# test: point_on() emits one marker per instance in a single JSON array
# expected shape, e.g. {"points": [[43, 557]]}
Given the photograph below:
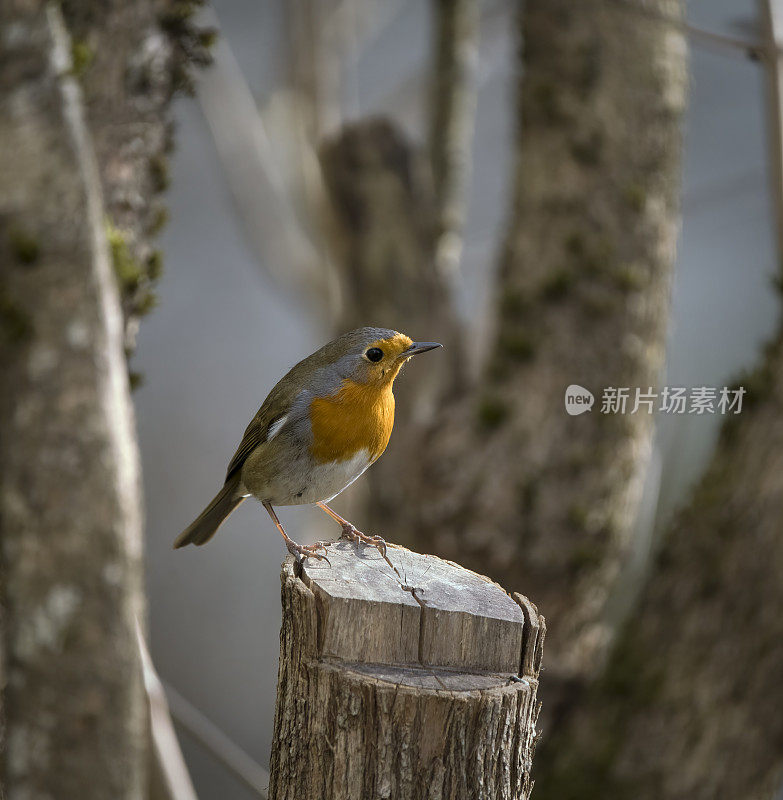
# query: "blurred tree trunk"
{"points": [[396, 210], [506, 479], [452, 116], [82, 135], [71, 522], [395, 224], [689, 705], [130, 57], [498, 475], [384, 216]]}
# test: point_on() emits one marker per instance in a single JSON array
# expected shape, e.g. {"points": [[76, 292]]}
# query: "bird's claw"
{"points": [[378, 542], [355, 535], [301, 551]]}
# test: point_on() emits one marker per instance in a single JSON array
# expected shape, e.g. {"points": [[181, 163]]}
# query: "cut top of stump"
{"points": [[434, 613]]}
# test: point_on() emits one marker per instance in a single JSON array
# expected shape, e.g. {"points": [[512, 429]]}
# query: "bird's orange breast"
{"points": [[358, 417]]}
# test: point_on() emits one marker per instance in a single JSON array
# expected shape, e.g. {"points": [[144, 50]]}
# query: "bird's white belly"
{"points": [[315, 483]]}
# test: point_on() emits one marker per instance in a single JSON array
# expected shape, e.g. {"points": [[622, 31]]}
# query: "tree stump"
{"points": [[414, 685]]}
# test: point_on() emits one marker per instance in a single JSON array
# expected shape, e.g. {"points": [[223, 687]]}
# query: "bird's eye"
{"points": [[374, 354]]}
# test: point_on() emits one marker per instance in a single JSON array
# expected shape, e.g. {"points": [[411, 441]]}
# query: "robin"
{"points": [[318, 430]]}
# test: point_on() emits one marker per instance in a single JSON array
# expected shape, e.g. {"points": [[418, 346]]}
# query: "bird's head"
{"points": [[374, 356]]}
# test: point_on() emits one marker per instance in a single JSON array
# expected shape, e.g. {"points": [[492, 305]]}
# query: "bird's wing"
{"points": [[275, 407], [285, 400]]}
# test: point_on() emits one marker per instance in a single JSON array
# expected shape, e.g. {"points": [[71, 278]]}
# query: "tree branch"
{"points": [[453, 110], [286, 244]]}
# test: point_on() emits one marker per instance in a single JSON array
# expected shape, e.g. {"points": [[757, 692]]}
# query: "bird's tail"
{"points": [[204, 527]]}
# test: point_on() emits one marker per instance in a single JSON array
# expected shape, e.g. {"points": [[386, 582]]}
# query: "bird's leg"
{"points": [[298, 551], [351, 532]]}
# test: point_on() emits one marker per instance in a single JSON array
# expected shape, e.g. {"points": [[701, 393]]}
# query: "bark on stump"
{"points": [[418, 686]]}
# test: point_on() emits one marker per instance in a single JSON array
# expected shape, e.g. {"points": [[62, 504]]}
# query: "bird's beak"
{"points": [[419, 347]]}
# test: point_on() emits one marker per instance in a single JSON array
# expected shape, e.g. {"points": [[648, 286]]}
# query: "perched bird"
{"points": [[318, 430]]}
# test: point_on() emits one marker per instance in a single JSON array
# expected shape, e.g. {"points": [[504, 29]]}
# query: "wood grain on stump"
{"points": [[417, 685]]}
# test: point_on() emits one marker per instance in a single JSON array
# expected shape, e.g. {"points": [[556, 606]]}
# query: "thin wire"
{"points": [[212, 738]]}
